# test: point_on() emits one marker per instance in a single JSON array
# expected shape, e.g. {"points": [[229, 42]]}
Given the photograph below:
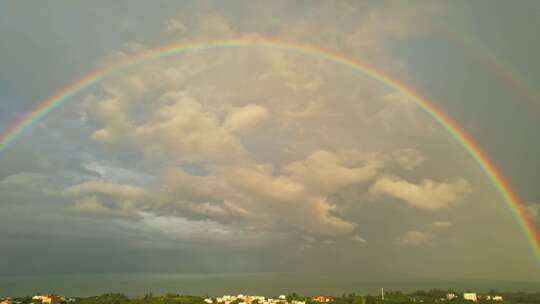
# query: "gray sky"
{"points": [[248, 160]]}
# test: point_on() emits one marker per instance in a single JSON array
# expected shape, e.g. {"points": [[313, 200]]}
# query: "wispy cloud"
{"points": [[414, 238]]}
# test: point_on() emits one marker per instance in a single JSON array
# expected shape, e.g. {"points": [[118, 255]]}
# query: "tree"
{"points": [[359, 300]]}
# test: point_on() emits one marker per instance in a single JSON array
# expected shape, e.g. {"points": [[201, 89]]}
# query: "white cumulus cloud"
{"points": [[428, 195]]}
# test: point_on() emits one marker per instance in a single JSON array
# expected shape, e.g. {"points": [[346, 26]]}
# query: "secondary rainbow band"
{"points": [[488, 167], [509, 75]]}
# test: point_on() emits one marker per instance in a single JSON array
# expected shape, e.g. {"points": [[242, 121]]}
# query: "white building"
{"points": [[470, 296], [247, 299], [450, 296], [323, 299]]}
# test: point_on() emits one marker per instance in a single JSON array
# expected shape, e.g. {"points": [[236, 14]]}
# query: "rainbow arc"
{"points": [[451, 126]]}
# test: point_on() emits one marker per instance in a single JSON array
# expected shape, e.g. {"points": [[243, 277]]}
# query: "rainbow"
{"points": [[488, 167]]}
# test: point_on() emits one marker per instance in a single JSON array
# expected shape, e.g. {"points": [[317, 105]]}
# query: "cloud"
{"points": [[115, 174], [358, 239], [235, 187], [428, 195], [111, 110], [328, 172], [125, 52], [242, 192], [98, 198], [292, 71], [30, 183], [364, 29], [245, 118], [23, 179], [395, 105], [201, 197], [441, 224], [117, 190], [214, 25], [202, 231], [175, 26], [221, 137], [533, 211], [264, 138], [363, 32], [409, 159], [414, 238], [183, 128], [289, 200], [92, 206]]}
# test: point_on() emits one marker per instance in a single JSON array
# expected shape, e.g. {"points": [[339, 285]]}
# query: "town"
{"points": [[391, 297]]}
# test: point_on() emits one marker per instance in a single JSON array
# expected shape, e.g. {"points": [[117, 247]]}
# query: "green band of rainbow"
{"points": [[488, 167]]}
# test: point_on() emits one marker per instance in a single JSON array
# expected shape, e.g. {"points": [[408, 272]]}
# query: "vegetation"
{"points": [[434, 296], [116, 298]]}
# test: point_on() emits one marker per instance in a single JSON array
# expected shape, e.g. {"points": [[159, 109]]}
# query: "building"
{"points": [[246, 299], [494, 298], [450, 296], [470, 296], [323, 299], [49, 299]]}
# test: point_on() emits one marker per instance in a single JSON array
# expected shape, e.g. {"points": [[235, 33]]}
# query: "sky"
{"points": [[244, 159]]}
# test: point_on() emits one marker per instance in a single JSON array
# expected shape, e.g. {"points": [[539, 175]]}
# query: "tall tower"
{"points": [[382, 293]]}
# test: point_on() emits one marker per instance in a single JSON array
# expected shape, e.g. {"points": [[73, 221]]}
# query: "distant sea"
{"points": [[267, 284]]}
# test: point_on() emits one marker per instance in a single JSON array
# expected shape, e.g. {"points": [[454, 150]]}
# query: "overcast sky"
{"points": [[248, 160]]}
